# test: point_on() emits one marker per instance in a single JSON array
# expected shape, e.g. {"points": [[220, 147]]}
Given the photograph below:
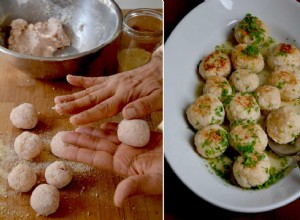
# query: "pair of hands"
{"points": [[136, 93]]}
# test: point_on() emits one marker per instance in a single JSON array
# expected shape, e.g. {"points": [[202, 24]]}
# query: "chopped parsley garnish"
{"points": [[219, 111], [250, 160], [251, 51], [280, 85], [269, 42], [282, 54], [251, 25], [247, 148]]}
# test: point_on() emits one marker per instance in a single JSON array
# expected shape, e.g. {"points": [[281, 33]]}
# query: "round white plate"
{"points": [[195, 36]]}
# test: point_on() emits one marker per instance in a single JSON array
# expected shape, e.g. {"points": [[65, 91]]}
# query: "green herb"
{"points": [[251, 25], [280, 85], [251, 51], [250, 160], [246, 148], [282, 54], [268, 42], [219, 111], [224, 93], [228, 100], [206, 143], [225, 136]]}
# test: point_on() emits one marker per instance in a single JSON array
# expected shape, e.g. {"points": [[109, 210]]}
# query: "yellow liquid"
{"points": [[132, 58]]}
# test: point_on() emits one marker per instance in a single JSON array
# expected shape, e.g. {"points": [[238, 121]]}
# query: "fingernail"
{"points": [[130, 113], [73, 119]]}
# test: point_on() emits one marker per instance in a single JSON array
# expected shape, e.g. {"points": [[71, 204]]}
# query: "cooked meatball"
{"points": [[215, 64], [205, 110], [248, 137], [242, 106], [283, 124], [247, 57], [251, 30], [211, 141], [283, 55], [219, 86], [268, 97], [244, 80], [285, 79], [251, 170]]}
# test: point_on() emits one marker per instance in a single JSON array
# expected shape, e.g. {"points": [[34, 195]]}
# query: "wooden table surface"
{"points": [[179, 201], [90, 194]]}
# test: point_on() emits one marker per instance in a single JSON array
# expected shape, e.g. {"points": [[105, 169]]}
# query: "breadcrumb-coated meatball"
{"points": [[22, 178], [28, 145], [242, 106], [244, 80], [285, 79], [251, 30], [268, 97], [283, 54], [283, 124], [248, 137], [215, 64], [24, 116], [219, 86], [211, 141], [251, 170], [205, 110], [247, 57]]}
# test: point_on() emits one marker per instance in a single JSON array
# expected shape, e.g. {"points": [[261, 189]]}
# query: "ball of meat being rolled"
{"points": [[134, 132]]}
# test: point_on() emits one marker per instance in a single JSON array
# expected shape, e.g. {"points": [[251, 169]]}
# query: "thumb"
{"points": [[143, 106], [140, 184]]}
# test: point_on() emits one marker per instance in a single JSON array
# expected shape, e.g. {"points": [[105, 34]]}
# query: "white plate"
{"points": [[195, 36]]}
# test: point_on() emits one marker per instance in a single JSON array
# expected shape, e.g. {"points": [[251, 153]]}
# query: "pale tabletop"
{"points": [[90, 194]]}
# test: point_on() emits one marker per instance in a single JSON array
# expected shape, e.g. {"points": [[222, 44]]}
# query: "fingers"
{"points": [[72, 97], [143, 106], [98, 159], [134, 185], [103, 110], [105, 133], [111, 126], [89, 142], [81, 101], [85, 82]]}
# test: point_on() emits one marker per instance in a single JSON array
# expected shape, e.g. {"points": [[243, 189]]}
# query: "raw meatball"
{"points": [[205, 110], [135, 132], [215, 64], [268, 97], [211, 141], [57, 145], [24, 116], [28, 145], [285, 79], [244, 81], [219, 86], [247, 57], [251, 30], [242, 106], [22, 178], [284, 55], [58, 174], [283, 124], [45, 199], [251, 170], [248, 137]]}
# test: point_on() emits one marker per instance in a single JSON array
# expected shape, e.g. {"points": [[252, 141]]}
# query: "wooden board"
{"points": [[90, 194]]}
